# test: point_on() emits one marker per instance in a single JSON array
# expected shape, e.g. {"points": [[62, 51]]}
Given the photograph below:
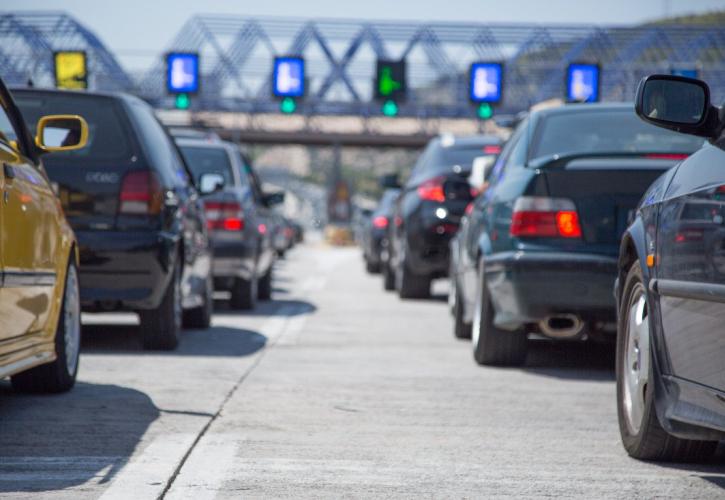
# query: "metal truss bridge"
{"points": [[237, 54]]}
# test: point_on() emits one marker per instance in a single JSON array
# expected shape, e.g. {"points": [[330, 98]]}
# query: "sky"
{"points": [[135, 29]]}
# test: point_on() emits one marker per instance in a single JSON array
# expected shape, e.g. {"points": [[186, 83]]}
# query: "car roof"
{"points": [[467, 141], [205, 143], [584, 108], [78, 93]]}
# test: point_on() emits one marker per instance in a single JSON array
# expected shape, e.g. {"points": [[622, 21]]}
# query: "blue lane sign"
{"points": [[182, 72], [288, 79], [688, 72], [582, 83], [485, 82]]}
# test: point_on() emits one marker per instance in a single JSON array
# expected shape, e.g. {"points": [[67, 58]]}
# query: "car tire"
{"points": [[60, 375], [161, 327], [264, 290], [200, 317], [461, 329], [410, 285], [388, 277], [244, 293], [492, 345], [371, 267], [642, 434]]}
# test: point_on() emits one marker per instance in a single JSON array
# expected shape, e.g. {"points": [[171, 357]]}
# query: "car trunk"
{"points": [[88, 181], [606, 192]]}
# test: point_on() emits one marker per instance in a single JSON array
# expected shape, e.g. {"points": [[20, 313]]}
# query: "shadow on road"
{"points": [[711, 470], [571, 360], [215, 341], [51, 442], [276, 307]]}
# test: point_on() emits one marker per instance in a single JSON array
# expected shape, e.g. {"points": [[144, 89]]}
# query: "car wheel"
{"points": [[372, 267], [244, 293], [264, 291], [200, 317], [60, 375], [161, 327], [492, 345], [642, 434], [410, 285], [388, 277], [461, 329]]}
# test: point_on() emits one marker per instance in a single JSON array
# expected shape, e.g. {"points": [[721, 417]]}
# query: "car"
{"points": [[670, 361], [428, 211], [374, 233], [39, 292], [138, 217], [238, 216], [540, 253]]}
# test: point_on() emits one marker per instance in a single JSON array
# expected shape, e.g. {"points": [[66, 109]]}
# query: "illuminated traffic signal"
{"points": [[484, 111], [390, 81], [70, 69], [182, 72], [182, 101], [582, 82], [390, 108], [288, 81]]}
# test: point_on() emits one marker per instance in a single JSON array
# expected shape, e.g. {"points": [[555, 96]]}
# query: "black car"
{"points": [[429, 209], [540, 255], [375, 230], [137, 215], [238, 216], [671, 289]]}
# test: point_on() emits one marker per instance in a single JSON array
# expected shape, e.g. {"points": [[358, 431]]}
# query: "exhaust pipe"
{"points": [[561, 326]]}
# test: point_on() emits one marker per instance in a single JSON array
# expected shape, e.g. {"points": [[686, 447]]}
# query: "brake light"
{"points": [[223, 215], [140, 194], [492, 149], [667, 156], [432, 190], [380, 222], [545, 218]]}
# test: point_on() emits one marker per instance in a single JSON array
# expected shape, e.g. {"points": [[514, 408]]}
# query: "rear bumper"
{"points": [[526, 287], [428, 243], [233, 259], [125, 270]]}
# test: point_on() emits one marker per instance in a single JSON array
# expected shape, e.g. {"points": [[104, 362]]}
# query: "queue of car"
{"points": [[596, 222], [103, 210]]}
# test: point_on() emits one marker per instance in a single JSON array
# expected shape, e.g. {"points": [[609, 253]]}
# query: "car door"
{"points": [[265, 216], [691, 268], [30, 232]]}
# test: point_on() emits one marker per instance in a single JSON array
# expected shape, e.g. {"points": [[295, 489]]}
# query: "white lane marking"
{"points": [[205, 471], [146, 475]]}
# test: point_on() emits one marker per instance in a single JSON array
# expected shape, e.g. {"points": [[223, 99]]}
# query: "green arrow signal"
{"points": [[386, 84]]}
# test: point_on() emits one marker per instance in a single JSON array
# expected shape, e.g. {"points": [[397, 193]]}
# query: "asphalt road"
{"points": [[336, 389]]}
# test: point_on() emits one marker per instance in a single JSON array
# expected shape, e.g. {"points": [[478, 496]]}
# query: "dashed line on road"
{"points": [[167, 454]]}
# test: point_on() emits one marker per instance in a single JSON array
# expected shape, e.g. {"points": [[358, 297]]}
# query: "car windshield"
{"points": [[607, 131], [108, 133], [462, 156], [206, 160]]}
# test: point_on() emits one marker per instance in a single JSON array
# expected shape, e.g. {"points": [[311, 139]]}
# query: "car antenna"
{"points": [[30, 83]]}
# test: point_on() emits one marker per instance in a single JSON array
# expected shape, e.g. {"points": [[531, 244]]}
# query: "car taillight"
{"points": [[541, 217], [224, 215], [380, 222], [432, 190], [667, 156], [140, 194]]}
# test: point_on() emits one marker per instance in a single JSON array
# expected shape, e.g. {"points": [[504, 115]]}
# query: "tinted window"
{"points": [[204, 160], [161, 151], [607, 131], [7, 131], [108, 132]]}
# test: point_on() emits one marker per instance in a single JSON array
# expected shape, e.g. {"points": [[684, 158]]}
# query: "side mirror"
{"points": [[480, 170], [211, 183], [677, 103], [276, 198], [61, 133], [390, 181]]}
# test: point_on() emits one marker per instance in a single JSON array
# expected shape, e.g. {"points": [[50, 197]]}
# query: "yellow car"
{"points": [[39, 300]]}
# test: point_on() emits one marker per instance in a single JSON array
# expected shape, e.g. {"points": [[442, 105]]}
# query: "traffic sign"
{"points": [[680, 71], [182, 72], [288, 78], [390, 81], [485, 82], [70, 69], [582, 82]]}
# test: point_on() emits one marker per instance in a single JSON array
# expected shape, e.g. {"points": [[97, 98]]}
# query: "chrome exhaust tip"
{"points": [[561, 326]]}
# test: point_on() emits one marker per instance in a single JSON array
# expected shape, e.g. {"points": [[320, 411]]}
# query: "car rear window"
{"points": [[206, 160], [607, 131], [108, 131]]}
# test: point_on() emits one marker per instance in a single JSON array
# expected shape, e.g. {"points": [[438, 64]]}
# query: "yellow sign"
{"points": [[71, 71]]}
